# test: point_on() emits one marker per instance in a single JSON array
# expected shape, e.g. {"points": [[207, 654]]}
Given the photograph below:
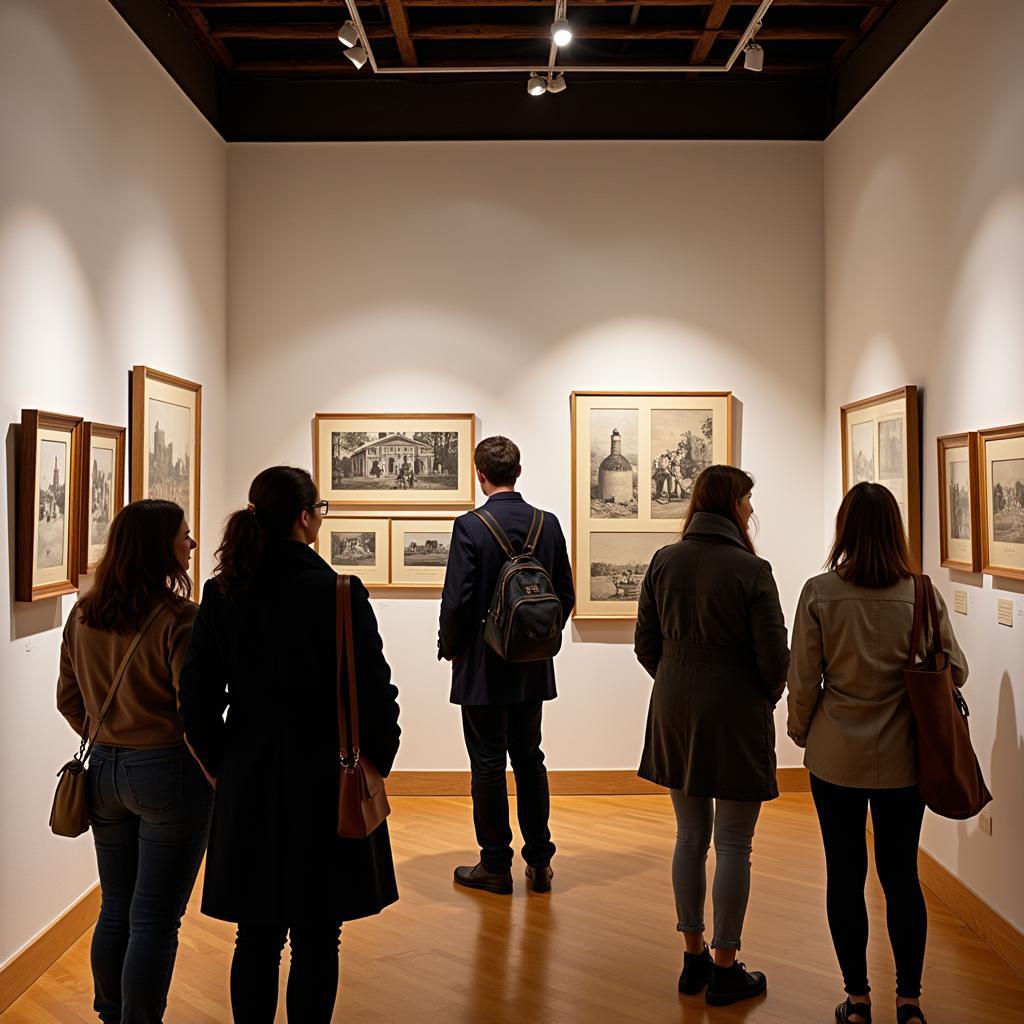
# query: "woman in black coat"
{"points": [[710, 631], [264, 648]]}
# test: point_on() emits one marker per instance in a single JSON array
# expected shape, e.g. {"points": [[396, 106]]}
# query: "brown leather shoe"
{"points": [[539, 878], [478, 877]]}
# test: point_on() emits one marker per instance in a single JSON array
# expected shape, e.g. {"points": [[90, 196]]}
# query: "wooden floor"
{"points": [[601, 948]]}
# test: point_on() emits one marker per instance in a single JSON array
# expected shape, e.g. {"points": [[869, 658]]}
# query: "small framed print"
{"points": [[399, 460], [47, 559], [357, 547], [881, 445], [1001, 477], [419, 551], [959, 502], [102, 478]]}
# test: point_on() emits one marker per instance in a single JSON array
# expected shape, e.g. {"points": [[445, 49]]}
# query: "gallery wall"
{"points": [[498, 278], [112, 252], [924, 284]]}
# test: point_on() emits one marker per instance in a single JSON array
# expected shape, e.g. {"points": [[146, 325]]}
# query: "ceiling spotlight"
{"points": [[557, 83], [357, 55], [348, 34], [561, 33], [753, 57], [536, 86]]}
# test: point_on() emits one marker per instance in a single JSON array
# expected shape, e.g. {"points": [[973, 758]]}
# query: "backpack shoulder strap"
{"points": [[497, 532], [536, 525]]}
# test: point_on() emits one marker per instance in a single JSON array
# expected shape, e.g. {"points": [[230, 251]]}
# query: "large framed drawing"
{"points": [[360, 547], [166, 435], [881, 445], [47, 559], [635, 457], [102, 480], [1001, 478], [394, 460], [419, 551], [959, 502]]}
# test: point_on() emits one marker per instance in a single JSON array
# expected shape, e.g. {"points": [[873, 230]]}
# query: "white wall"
{"points": [[112, 252], [496, 279], [924, 229]]}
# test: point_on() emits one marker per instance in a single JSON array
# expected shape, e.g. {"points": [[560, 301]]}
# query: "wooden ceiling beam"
{"points": [[866, 25], [199, 28], [707, 39], [400, 24]]}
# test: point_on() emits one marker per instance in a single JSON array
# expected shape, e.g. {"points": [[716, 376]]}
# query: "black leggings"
{"points": [[312, 980], [896, 816]]}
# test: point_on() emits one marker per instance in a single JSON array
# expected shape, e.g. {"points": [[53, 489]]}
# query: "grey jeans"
{"points": [[732, 822]]}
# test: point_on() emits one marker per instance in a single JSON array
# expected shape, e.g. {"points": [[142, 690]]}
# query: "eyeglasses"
{"points": [[321, 507]]}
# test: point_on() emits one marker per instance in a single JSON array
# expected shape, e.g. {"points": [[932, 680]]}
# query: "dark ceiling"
{"points": [[273, 70]]}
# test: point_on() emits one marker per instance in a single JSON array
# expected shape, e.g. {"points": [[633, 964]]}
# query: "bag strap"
{"points": [[933, 608], [536, 525], [497, 532], [348, 724], [915, 633]]}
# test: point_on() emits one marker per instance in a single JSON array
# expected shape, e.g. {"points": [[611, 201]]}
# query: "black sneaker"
{"points": [[539, 877], [478, 877], [731, 984], [696, 972]]}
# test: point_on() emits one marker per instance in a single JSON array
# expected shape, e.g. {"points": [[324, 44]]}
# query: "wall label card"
{"points": [[1004, 611]]}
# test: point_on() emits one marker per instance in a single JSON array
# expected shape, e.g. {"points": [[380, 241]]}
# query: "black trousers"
{"points": [[494, 735], [896, 816], [312, 979]]}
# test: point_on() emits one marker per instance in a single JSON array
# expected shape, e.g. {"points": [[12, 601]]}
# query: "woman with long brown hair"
{"points": [[710, 631], [149, 804], [848, 708]]}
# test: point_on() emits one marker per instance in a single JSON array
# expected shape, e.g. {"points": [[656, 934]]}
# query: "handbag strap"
{"points": [[925, 607], [933, 608], [348, 724], [915, 632]]}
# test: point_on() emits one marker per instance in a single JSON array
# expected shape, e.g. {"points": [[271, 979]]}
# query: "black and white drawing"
{"points": [[101, 495], [420, 460], [890, 450], [613, 463], [170, 458], [682, 443], [618, 563], [52, 511], [426, 549], [353, 548], [1008, 501], [862, 453], [958, 482]]}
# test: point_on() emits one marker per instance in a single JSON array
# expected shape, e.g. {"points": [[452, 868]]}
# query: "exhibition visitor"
{"points": [[848, 707], [264, 648], [710, 630], [148, 802], [502, 699]]}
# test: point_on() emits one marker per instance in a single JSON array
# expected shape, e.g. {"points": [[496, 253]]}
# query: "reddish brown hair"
{"points": [[718, 490], [870, 546]]}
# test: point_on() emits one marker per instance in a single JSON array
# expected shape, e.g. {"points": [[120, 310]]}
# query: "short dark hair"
{"points": [[498, 459], [870, 547]]}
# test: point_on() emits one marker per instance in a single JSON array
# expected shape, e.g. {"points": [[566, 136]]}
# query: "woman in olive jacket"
{"points": [[710, 631], [264, 647]]}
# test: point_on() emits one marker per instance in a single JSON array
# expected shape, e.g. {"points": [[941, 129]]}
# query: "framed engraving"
{"points": [[360, 547], [47, 562], [394, 460], [1001, 478], [635, 457], [102, 478], [419, 551], [959, 502], [881, 444]]}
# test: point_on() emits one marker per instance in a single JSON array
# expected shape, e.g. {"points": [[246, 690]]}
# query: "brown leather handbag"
{"points": [[69, 815], [949, 776], [362, 799]]}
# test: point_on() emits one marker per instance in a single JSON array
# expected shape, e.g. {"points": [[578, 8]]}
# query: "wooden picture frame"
{"points": [[158, 467], [881, 443], [417, 460], [959, 502], [1001, 484], [635, 455], [102, 482], [419, 552], [46, 558], [357, 546]]}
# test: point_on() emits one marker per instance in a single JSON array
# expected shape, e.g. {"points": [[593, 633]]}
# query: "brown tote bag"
{"points": [[949, 776], [362, 800]]}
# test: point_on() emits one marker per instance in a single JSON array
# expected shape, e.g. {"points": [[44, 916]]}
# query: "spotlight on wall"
{"points": [[557, 83], [348, 34], [536, 86], [357, 55], [561, 33], [753, 57]]}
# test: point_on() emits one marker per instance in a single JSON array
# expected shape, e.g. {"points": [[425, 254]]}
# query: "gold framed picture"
{"points": [[360, 547], [394, 460], [102, 477], [635, 457], [165, 413], [1001, 478], [47, 559], [881, 445], [419, 551], [959, 502]]}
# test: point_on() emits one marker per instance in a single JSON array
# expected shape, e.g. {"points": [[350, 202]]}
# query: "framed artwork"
{"points": [[419, 551], [394, 460], [360, 547], [881, 445], [1001, 478], [47, 559], [959, 502], [102, 479], [166, 433], [635, 457]]}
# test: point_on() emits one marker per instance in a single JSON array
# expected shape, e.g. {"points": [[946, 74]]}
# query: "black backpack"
{"points": [[524, 621]]}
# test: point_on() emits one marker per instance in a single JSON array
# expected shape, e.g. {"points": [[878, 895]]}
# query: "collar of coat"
{"points": [[707, 525], [505, 496], [293, 553]]}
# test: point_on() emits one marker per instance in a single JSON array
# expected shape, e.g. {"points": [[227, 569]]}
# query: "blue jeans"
{"points": [[150, 814]]}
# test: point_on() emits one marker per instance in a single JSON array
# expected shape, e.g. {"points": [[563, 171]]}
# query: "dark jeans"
{"points": [[150, 812], [312, 979], [896, 816], [493, 734]]}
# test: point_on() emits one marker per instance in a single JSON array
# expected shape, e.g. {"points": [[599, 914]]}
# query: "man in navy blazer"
{"points": [[501, 701]]}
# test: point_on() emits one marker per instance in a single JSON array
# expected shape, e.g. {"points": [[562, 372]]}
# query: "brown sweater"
{"points": [[144, 712]]}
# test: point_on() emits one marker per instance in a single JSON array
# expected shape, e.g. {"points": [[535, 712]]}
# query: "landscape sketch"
{"points": [[614, 443], [958, 483], [426, 549], [1008, 501], [682, 444], [52, 507], [890, 450], [382, 460], [353, 548], [619, 561], [862, 444], [170, 456]]}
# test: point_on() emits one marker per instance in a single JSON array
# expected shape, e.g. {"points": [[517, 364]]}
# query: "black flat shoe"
{"points": [[844, 1011], [731, 984], [539, 877], [478, 877], [696, 972], [908, 1012]]}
